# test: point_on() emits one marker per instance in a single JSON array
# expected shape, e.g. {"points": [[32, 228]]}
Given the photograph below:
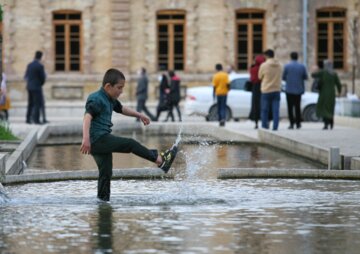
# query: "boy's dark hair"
{"points": [[112, 76], [143, 70], [269, 53], [218, 67], [38, 55], [294, 56], [171, 73]]}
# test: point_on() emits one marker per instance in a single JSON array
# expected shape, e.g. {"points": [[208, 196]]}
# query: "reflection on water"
{"points": [[209, 156], [183, 216], [105, 228]]}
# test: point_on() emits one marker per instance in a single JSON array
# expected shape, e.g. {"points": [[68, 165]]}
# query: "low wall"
{"points": [[235, 173], [309, 151], [2, 167], [202, 129], [14, 164], [130, 173]]}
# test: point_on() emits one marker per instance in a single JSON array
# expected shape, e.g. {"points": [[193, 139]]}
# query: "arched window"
{"points": [[171, 40], [67, 40], [250, 25], [331, 36]]}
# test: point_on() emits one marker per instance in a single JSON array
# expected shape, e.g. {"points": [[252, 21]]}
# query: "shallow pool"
{"points": [[186, 215], [202, 151]]}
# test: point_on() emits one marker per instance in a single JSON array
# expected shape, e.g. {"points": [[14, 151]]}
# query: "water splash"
{"points": [[198, 159], [178, 138], [191, 187]]}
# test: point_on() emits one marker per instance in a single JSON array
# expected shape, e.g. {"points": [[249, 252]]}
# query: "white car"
{"points": [[200, 101]]}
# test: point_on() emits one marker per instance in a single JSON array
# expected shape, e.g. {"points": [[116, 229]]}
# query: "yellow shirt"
{"points": [[221, 83]]}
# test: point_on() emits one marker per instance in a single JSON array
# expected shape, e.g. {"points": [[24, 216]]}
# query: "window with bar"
{"points": [[67, 40], [331, 36], [249, 36], [171, 40]]}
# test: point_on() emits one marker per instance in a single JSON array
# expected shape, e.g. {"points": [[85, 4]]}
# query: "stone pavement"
{"points": [[345, 135]]}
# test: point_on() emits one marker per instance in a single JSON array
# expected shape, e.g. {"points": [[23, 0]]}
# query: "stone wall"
{"points": [[122, 34]]}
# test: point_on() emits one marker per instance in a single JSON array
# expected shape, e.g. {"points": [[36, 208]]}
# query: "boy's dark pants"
{"points": [[102, 151]]}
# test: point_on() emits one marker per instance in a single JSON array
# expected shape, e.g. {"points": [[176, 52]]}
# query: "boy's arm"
{"points": [[85, 145], [130, 112]]}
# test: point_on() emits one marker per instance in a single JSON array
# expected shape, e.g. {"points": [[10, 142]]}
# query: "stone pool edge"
{"points": [[241, 173], [155, 173], [128, 174]]}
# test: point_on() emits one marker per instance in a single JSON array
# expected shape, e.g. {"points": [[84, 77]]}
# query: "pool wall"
{"points": [[14, 164]]}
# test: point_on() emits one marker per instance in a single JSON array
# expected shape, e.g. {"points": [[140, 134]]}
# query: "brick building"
{"points": [[82, 38]]}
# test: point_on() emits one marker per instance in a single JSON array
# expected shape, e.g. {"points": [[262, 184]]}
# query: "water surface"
{"points": [[186, 215], [206, 152]]}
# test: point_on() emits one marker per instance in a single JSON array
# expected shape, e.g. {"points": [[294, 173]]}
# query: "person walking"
{"points": [[35, 78], [328, 81], [98, 141], [142, 94], [270, 76], [164, 91], [294, 75], [221, 85], [255, 89], [174, 96]]}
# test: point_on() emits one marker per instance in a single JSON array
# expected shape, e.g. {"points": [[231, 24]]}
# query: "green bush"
{"points": [[5, 133]]}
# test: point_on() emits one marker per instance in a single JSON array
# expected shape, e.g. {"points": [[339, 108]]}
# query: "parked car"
{"points": [[200, 101]]}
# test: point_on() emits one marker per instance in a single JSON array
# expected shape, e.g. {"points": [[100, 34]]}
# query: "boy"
{"points": [[97, 139]]}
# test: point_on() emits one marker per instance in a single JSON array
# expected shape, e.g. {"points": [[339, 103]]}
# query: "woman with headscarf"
{"points": [[255, 89], [328, 80]]}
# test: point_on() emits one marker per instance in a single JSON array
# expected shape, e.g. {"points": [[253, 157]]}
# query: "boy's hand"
{"points": [[144, 119], [85, 146]]}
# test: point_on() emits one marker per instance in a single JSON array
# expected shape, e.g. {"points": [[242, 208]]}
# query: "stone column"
{"points": [[334, 158]]}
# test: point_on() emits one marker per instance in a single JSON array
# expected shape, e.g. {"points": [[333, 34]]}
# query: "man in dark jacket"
{"points": [[294, 75], [142, 94], [35, 78]]}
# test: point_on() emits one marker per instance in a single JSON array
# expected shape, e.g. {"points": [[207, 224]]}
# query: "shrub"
{"points": [[5, 132]]}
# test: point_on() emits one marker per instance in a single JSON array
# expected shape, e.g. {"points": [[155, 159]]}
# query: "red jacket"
{"points": [[254, 69]]}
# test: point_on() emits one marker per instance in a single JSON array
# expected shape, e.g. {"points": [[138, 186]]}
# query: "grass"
{"points": [[5, 132]]}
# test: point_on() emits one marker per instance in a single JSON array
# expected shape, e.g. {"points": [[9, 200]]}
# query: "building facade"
{"points": [[81, 39]]}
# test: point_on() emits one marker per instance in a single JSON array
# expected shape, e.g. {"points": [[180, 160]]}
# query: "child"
{"points": [[97, 139]]}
